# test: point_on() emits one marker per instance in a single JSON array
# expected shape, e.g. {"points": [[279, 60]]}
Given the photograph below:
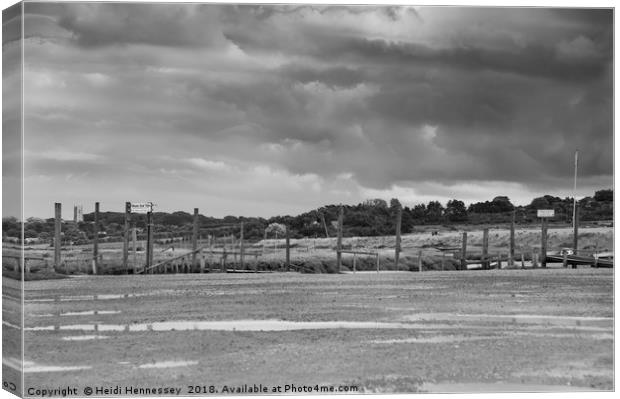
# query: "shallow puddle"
{"points": [[84, 313], [230, 325], [83, 337], [554, 320], [434, 340], [457, 387], [167, 364], [32, 367], [6, 323]]}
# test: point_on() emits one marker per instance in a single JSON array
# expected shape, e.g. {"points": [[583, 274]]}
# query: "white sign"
{"points": [[545, 213], [141, 207]]}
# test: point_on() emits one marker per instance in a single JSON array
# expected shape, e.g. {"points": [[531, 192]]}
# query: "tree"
{"points": [[276, 228], [502, 204], [540, 203], [434, 212], [456, 211], [604, 195]]}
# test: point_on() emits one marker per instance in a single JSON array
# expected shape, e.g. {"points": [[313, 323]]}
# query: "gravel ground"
{"points": [[476, 331]]}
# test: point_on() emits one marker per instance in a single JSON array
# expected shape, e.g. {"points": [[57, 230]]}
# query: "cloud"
{"points": [[271, 102]]}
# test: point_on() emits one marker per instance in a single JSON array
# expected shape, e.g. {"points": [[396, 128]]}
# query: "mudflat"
{"points": [[475, 331]]}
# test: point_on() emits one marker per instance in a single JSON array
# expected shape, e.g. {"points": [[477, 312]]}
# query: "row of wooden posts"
{"points": [[485, 259], [339, 248], [148, 268]]}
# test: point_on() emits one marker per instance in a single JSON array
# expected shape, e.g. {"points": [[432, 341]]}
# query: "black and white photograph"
{"points": [[230, 199]]}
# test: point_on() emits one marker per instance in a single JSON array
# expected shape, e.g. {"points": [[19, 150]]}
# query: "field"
{"points": [[497, 330]]}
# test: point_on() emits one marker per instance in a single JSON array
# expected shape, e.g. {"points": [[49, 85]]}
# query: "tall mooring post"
{"points": [[288, 249], [134, 239], [149, 240], [464, 252], [543, 244], [397, 248], [511, 255], [485, 249], [339, 240], [241, 249], [57, 232], [194, 239], [96, 240], [126, 237], [576, 231]]}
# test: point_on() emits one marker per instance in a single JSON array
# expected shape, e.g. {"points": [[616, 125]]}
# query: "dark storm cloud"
{"points": [[534, 60], [337, 102], [101, 24]]}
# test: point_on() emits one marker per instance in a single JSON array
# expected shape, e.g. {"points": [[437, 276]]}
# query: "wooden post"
{"points": [[134, 244], [149, 239], [96, 240], [534, 259], [377, 261], [288, 249], [241, 249], [202, 262], [126, 237], [354, 258], [522, 260], [464, 252], [194, 239], [485, 249], [511, 255], [224, 259], [399, 216], [339, 240], [543, 244], [499, 260], [576, 231], [565, 260], [420, 260], [324, 224], [57, 240]]}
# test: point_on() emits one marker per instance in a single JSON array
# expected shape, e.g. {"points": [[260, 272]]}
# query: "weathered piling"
{"points": [[57, 231], [511, 255], [464, 252], [543, 244], [96, 240], [194, 238], [126, 237], [339, 239], [485, 249], [576, 231], [241, 249], [288, 249], [397, 246]]}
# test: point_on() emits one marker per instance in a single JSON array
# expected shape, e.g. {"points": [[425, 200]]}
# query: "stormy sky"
{"points": [[266, 110]]}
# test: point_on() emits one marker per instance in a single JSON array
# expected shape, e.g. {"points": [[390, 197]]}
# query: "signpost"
{"points": [[544, 214], [147, 208], [141, 207]]}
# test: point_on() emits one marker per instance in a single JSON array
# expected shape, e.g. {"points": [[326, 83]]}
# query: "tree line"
{"points": [[370, 218]]}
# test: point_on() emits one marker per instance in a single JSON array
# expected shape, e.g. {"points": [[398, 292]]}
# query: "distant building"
{"points": [[78, 214]]}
